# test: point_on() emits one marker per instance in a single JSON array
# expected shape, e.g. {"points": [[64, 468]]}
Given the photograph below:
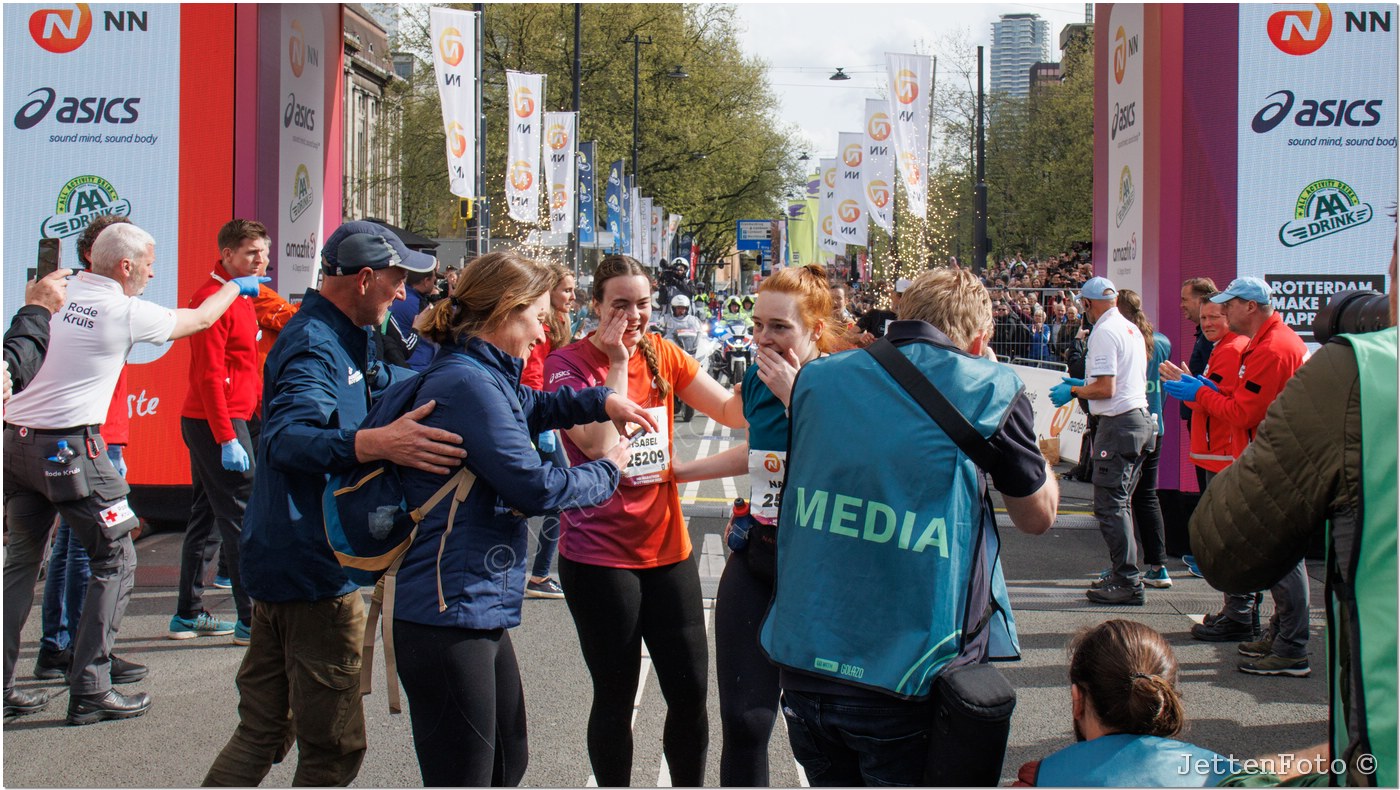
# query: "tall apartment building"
{"points": [[1019, 41]]}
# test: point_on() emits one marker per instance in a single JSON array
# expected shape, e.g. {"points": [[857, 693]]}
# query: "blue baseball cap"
{"points": [[369, 245], [1098, 288], [1251, 288]]}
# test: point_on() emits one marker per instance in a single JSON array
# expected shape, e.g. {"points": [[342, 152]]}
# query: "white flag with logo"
{"points": [[454, 65], [877, 168], [657, 212], [526, 93], [644, 232], [826, 209], [561, 170], [852, 225], [673, 224], [911, 89], [634, 239]]}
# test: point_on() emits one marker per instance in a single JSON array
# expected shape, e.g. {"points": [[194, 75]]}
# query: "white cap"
{"points": [[902, 284]]}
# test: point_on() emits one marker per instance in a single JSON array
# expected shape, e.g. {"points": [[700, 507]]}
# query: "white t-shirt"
{"points": [[1116, 349], [89, 340]]}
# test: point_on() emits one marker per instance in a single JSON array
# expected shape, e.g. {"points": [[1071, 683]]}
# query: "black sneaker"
{"points": [[19, 702], [1223, 629], [52, 664], [110, 704], [1118, 594], [124, 671]]}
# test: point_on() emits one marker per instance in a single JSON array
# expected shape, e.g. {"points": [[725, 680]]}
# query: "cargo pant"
{"points": [[1121, 444], [91, 496], [300, 681]]}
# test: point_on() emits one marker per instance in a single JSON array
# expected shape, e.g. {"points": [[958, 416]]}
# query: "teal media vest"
{"points": [[887, 546]]}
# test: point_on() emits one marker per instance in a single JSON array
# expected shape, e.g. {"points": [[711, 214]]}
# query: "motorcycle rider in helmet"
{"points": [[680, 319]]}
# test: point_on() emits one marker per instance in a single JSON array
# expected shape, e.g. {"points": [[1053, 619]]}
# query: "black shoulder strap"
{"points": [[932, 401]]}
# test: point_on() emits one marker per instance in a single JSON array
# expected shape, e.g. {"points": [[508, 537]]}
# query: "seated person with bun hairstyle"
{"points": [[1127, 711]]}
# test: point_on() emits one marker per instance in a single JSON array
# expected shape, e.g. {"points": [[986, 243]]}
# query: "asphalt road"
{"points": [[195, 706]]}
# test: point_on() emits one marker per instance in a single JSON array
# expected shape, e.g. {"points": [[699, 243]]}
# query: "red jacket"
{"points": [[1215, 444], [116, 429], [532, 375], [1267, 363], [225, 382]]}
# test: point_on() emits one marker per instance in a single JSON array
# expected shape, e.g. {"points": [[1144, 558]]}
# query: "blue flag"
{"points": [[587, 230], [615, 198]]}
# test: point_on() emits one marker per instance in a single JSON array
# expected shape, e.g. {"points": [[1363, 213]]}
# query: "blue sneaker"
{"points": [[223, 583], [1157, 577], [1191, 566], [203, 624], [242, 634]]}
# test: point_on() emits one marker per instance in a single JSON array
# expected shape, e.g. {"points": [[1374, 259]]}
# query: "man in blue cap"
{"points": [[1116, 372], [1273, 355], [301, 674]]}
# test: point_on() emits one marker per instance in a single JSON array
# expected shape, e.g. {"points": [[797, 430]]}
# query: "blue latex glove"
{"points": [[249, 286], [546, 442], [1060, 393], [1186, 389], [1208, 383], [232, 454], [118, 460]]}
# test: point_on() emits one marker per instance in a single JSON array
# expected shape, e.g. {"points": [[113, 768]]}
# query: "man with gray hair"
{"points": [[55, 462]]}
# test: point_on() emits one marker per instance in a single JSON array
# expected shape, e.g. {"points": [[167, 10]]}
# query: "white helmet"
{"points": [[680, 300]]}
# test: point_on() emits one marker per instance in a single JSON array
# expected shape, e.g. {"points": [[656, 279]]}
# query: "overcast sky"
{"points": [[803, 45]]}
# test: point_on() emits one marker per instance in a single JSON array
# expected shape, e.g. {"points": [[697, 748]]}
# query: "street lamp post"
{"points": [[636, 41]]}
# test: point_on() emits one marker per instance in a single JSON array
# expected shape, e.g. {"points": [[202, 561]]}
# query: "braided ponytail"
{"points": [[648, 350]]}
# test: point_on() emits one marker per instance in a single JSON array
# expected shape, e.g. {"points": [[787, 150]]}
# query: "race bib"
{"points": [[767, 469], [650, 459]]}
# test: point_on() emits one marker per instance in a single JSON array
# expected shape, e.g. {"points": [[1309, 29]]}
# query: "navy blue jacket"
{"points": [[482, 562], [317, 386], [403, 312]]}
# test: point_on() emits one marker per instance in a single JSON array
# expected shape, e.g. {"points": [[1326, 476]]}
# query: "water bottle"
{"points": [[739, 523], [64, 454]]}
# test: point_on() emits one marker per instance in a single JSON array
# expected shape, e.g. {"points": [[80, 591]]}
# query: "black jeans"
{"points": [[1147, 510], [748, 683], [220, 498], [614, 609], [466, 704], [853, 741]]}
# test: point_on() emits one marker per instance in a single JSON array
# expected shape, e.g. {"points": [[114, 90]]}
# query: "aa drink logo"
{"points": [[450, 46], [296, 49], [1123, 49], [459, 140], [1300, 32], [851, 156], [879, 127], [80, 201], [1324, 208], [906, 86], [879, 193], [301, 193], [556, 136], [523, 102], [520, 176], [849, 211], [559, 197], [61, 30], [1126, 196]]}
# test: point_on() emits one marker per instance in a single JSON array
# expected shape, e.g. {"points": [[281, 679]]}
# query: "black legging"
{"points": [[466, 704], [748, 683], [614, 609], [1147, 510]]}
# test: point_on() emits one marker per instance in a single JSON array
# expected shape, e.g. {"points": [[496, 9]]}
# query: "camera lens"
{"points": [[1351, 313]]}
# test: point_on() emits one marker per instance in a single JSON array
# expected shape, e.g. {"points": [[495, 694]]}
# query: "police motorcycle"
{"points": [[686, 331]]}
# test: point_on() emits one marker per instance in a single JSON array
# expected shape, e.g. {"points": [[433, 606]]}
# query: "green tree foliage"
{"points": [[710, 147], [1040, 154]]}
